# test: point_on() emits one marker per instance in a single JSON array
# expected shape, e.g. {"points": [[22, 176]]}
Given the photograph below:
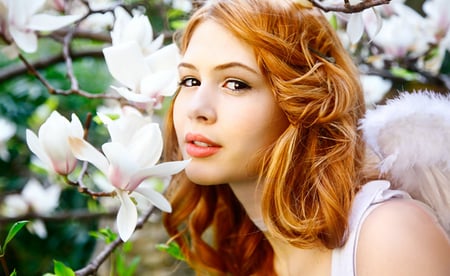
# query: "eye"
{"points": [[189, 82], [236, 85]]}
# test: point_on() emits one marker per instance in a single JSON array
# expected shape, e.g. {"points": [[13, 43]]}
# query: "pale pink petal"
{"points": [[76, 128], [133, 96], [166, 58], [139, 30], [355, 27], [126, 63], [147, 145], [25, 40], [160, 170], [161, 83], [156, 44], [47, 22], [35, 146], [86, 152], [155, 198], [127, 216], [19, 11], [122, 164], [53, 136]]}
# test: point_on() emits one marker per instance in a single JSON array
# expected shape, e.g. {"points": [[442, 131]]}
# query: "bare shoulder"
{"points": [[401, 237]]}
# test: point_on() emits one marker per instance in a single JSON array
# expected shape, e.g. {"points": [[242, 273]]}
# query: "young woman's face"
{"points": [[225, 113]]}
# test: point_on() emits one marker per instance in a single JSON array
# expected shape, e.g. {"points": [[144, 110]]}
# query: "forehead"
{"points": [[213, 43]]}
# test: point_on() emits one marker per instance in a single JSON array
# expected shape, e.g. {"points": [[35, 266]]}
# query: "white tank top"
{"points": [[372, 193]]}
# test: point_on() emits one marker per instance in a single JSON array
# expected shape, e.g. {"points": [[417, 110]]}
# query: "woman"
{"points": [[268, 111]]}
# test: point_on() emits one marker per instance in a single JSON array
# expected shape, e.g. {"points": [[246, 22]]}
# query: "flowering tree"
{"points": [[101, 61]]}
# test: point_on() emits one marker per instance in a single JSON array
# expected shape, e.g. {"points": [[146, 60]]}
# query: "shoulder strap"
{"points": [[371, 194]]}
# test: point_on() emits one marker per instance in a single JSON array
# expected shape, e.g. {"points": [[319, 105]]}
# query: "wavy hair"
{"points": [[309, 175]]}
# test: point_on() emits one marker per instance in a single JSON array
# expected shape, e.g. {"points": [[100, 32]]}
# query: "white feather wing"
{"points": [[411, 135]]}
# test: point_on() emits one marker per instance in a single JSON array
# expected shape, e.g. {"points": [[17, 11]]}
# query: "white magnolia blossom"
{"points": [[130, 158], [33, 198], [414, 38], [144, 79], [135, 29], [51, 145], [146, 71], [22, 20], [8, 130]]}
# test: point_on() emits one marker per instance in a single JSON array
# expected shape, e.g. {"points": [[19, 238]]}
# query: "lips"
{"points": [[198, 146]]}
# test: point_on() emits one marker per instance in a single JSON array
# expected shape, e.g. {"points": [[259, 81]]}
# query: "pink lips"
{"points": [[198, 146]]}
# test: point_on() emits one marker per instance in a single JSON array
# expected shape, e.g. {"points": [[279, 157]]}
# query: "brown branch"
{"points": [[56, 91], [348, 8], [20, 69], [61, 216], [95, 263]]}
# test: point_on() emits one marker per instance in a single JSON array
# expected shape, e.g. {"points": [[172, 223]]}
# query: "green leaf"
{"points": [[105, 234], [12, 233], [62, 270], [14, 273], [404, 74], [173, 249]]}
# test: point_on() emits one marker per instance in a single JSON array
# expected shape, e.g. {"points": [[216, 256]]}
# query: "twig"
{"points": [[60, 216], [56, 91], [348, 8], [95, 264]]}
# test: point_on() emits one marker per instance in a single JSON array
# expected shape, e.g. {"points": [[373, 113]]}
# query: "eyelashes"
{"points": [[230, 84]]}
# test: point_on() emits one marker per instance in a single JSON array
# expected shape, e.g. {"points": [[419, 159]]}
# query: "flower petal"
{"points": [[126, 63], [133, 96], [160, 170], [147, 145], [25, 40], [162, 83], [166, 58], [53, 136], [76, 128], [35, 146], [47, 22], [86, 152], [127, 216], [355, 27], [122, 164], [154, 197]]}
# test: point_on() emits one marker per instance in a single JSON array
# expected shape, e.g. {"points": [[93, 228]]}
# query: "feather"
{"points": [[411, 135]]}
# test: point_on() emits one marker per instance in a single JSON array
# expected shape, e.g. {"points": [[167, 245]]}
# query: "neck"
{"points": [[288, 260], [250, 194]]}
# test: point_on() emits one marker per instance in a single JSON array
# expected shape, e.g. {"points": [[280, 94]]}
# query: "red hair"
{"points": [[311, 173]]}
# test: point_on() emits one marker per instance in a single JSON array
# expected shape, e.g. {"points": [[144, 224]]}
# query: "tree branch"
{"points": [[95, 263], [348, 8]]}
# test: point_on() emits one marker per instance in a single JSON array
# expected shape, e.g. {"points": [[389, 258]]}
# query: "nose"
{"points": [[202, 106]]}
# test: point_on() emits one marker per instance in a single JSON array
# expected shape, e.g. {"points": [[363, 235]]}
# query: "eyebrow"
{"points": [[221, 66]]}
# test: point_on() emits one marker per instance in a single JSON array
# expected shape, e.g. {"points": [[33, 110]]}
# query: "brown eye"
{"points": [[189, 82], [236, 85]]}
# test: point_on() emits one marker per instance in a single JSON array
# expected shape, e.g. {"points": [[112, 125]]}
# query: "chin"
{"points": [[202, 176]]}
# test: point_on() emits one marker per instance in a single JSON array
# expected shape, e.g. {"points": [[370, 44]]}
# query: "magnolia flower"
{"points": [[137, 28], [356, 24], [8, 129], [414, 38], [21, 22], [146, 79], [130, 158], [51, 146], [33, 198]]}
